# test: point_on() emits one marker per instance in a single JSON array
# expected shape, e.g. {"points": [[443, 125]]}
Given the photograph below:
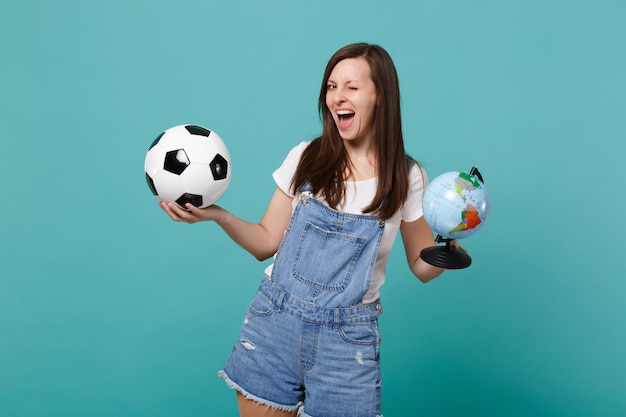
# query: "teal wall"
{"points": [[107, 308]]}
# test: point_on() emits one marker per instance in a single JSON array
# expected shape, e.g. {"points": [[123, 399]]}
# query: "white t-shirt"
{"points": [[358, 195]]}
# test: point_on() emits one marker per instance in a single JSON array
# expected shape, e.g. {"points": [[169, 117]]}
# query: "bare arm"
{"points": [[260, 239], [416, 236]]}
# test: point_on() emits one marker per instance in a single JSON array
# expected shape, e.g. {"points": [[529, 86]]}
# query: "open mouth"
{"points": [[345, 116]]}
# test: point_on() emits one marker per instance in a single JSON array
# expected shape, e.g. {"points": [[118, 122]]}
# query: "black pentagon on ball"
{"points": [[197, 130], [194, 199], [151, 184], [176, 161], [219, 167]]}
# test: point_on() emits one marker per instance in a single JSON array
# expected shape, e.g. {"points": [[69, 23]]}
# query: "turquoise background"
{"points": [[107, 308]]}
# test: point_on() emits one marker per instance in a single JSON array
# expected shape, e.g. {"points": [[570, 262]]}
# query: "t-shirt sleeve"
{"points": [[418, 180], [284, 174]]}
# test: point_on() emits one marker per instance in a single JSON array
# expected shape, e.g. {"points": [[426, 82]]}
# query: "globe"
{"points": [[456, 205]]}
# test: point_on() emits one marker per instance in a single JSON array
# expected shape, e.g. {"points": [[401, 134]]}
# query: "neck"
{"points": [[362, 162]]}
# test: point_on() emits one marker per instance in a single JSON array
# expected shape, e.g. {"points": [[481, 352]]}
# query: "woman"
{"points": [[310, 341]]}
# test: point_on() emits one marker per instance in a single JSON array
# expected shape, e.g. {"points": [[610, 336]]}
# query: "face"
{"points": [[351, 99]]}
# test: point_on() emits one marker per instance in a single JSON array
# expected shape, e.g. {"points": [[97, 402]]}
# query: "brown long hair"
{"points": [[325, 161]]}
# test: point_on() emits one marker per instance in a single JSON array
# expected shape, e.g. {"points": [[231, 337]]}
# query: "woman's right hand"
{"points": [[191, 214]]}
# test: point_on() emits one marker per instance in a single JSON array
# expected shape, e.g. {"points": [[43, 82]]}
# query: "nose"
{"points": [[339, 96]]}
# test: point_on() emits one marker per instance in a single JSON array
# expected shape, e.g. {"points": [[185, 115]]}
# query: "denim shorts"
{"points": [[324, 362]]}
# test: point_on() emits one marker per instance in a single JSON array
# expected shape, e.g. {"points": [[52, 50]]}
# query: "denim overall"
{"points": [[306, 328]]}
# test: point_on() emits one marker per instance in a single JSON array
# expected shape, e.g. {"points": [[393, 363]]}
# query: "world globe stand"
{"points": [[445, 256], [438, 199]]}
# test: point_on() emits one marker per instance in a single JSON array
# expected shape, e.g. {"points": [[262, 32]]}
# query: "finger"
{"points": [[455, 244], [165, 207], [194, 212], [183, 213], [190, 213], [173, 211], [461, 248]]}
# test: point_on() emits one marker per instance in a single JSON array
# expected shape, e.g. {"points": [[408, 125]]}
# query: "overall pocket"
{"points": [[331, 272], [261, 305], [361, 333]]}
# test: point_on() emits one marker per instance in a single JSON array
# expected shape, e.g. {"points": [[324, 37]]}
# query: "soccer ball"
{"points": [[188, 164]]}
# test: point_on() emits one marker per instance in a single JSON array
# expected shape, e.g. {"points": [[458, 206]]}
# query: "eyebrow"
{"points": [[347, 82]]}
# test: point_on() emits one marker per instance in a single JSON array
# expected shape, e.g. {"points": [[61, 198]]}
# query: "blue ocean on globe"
{"points": [[456, 204]]}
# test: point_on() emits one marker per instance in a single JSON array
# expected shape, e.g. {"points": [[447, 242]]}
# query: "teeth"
{"points": [[344, 112]]}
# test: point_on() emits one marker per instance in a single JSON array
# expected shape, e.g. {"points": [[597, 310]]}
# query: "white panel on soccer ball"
{"points": [[168, 186], [154, 160], [174, 138], [203, 149], [215, 191], [196, 178]]}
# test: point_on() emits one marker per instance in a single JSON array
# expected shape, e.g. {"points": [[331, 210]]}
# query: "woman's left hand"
{"points": [[455, 244]]}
